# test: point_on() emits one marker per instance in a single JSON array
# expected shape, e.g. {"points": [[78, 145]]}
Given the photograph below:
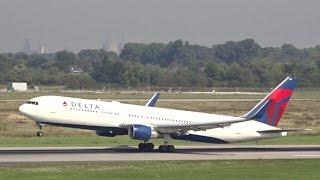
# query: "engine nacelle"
{"points": [[111, 132], [141, 132]]}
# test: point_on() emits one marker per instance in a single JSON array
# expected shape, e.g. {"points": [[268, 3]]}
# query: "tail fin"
{"points": [[270, 109]]}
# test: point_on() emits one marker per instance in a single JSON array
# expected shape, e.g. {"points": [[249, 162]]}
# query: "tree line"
{"points": [[175, 64]]}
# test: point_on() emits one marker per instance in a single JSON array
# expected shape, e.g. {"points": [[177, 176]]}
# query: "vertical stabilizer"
{"points": [[270, 109]]}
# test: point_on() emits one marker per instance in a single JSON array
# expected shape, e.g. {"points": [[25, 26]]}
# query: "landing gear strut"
{"points": [[146, 147], [40, 133]]}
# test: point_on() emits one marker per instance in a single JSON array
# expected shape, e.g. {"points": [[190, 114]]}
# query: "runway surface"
{"points": [[127, 153]]}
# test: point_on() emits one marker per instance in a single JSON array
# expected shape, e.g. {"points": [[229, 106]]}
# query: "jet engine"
{"points": [[141, 132]]}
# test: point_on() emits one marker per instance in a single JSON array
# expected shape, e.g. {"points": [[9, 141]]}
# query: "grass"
{"points": [[220, 169]]}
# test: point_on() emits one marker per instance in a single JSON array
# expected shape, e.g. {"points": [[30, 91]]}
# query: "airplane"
{"points": [[149, 122]]}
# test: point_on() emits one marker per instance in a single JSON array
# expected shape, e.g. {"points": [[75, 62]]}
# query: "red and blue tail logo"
{"points": [[270, 109]]}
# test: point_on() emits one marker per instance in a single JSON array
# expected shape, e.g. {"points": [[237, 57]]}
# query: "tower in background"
{"points": [[111, 46], [41, 50], [27, 46]]}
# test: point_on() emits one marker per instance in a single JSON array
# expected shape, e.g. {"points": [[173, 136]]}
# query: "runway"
{"points": [[127, 153]]}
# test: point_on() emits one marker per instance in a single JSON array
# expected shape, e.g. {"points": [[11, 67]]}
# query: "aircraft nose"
{"points": [[26, 109], [23, 109]]}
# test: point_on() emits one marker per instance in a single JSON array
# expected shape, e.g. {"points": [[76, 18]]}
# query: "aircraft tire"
{"points": [[40, 133], [146, 147], [150, 146], [170, 148], [167, 148]]}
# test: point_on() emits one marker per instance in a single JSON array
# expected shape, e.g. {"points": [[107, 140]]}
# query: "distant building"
{"points": [[27, 46], [75, 70], [112, 46], [41, 50], [17, 86]]}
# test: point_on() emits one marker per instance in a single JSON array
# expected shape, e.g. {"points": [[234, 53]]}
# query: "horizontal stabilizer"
{"points": [[282, 130]]}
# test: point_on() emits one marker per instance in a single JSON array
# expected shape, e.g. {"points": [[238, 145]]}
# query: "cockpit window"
{"points": [[32, 102]]}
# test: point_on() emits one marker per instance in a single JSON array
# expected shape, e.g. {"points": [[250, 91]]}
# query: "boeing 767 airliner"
{"points": [[149, 122]]}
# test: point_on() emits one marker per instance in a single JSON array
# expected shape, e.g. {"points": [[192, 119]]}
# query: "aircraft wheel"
{"points": [[150, 146], [170, 148], [162, 148], [166, 148], [141, 147], [40, 133], [145, 147]]}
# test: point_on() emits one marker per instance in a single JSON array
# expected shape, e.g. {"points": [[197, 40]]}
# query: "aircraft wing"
{"points": [[167, 129], [197, 126], [152, 102]]}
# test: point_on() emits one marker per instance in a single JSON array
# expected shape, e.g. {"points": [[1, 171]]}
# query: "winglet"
{"points": [[152, 102]]}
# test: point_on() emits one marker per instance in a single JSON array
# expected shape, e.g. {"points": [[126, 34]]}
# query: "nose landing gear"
{"points": [[40, 133]]}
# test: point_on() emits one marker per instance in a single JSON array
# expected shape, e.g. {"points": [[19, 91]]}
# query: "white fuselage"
{"points": [[81, 112]]}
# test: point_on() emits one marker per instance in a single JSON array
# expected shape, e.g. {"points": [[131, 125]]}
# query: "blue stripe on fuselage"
{"points": [[198, 138]]}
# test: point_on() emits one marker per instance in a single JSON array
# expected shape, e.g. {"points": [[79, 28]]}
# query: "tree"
{"points": [[5, 66], [64, 60], [213, 71], [132, 52], [81, 81], [109, 72], [234, 51]]}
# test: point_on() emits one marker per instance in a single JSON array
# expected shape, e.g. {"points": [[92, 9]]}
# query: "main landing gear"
{"points": [[166, 148], [149, 147], [146, 147], [40, 133]]}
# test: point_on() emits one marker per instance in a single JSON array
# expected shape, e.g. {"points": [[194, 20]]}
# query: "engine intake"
{"points": [[141, 132]]}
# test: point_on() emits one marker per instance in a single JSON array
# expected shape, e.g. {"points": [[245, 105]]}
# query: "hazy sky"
{"points": [[79, 24]]}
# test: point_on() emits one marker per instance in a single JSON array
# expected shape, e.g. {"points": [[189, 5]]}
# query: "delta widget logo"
{"points": [[65, 104]]}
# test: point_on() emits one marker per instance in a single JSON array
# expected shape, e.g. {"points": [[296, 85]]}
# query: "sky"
{"points": [[87, 24]]}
